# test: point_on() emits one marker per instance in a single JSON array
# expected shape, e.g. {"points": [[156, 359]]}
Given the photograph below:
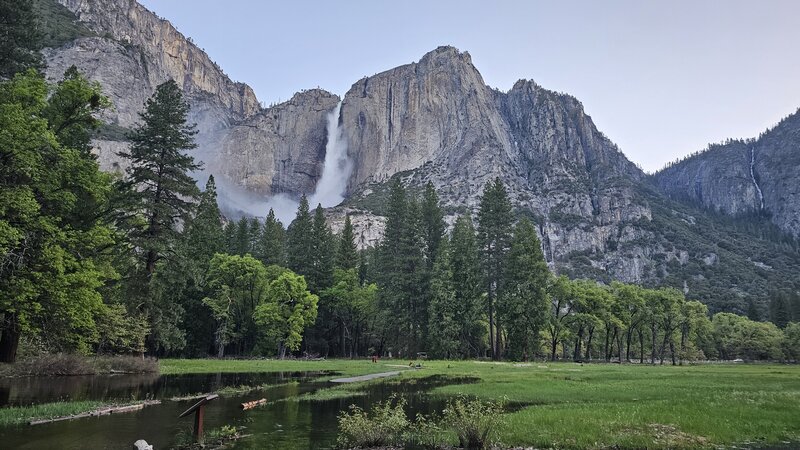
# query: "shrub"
{"points": [[475, 422], [384, 425]]}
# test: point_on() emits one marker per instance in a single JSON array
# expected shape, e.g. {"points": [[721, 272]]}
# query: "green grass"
{"points": [[566, 405], [23, 414]]}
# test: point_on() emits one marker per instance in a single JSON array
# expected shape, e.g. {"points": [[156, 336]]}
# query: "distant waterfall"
{"points": [[329, 191], [337, 167], [753, 176]]}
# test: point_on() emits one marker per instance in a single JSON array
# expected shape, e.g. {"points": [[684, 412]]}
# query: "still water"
{"points": [[279, 424]]}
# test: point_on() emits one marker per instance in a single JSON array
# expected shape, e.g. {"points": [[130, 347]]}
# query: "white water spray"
{"points": [[328, 192], [337, 166], [753, 176]]}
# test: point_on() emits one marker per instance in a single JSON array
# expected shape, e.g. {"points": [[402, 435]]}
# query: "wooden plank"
{"points": [[99, 412], [253, 404], [200, 403]]}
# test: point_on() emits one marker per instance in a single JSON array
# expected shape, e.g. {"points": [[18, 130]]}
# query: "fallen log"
{"points": [[253, 404], [99, 412]]}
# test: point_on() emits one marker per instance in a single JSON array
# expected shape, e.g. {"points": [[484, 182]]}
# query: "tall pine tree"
{"points": [[271, 249], [494, 236], [523, 304], [347, 252], [467, 286], [299, 237], [323, 253], [162, 189], [162, 194]]}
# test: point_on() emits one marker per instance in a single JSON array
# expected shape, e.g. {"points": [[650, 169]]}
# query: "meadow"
{"points": [[569, 405]]}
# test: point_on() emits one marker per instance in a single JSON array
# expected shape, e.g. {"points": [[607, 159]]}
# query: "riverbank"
{"points": [[569, 405], [67, 364]]}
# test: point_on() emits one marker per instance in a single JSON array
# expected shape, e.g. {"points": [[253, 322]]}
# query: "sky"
{"points": [[661, 79]]}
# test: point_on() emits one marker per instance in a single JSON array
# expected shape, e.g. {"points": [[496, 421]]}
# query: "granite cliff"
{"points": [[741, 177]]}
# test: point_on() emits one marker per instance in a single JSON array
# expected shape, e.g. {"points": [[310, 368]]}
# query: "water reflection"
{"points": [[279, 424]]}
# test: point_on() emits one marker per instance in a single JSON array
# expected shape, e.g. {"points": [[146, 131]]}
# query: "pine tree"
{"points": [[494, 235], [241, 239], [271, 249], [299, 245], [21, 38], [432, 223], [187, 275], [523, 303], [467, 286], [444, 329], [161, 187], [322, 252], [399, 266], [347, 255], [254, 233]]}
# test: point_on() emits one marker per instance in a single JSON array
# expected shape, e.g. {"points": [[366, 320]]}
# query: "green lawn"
{"points": [[601, 405]]}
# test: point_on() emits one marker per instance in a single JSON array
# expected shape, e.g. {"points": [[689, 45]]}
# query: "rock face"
{"points": [[263, 151], [744, 177]]}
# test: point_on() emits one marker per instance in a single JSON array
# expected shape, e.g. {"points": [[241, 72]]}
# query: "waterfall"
{"points": [[329, 190], [337, 167], [753, 176]]}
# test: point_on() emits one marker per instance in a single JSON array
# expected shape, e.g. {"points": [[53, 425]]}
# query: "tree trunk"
{"points": [[619, 344], [628, 338], [672, 350], [641, 346], [606, 354], [554, 346], [653, 337], [589, 344], [9, 339], [492, 342]]}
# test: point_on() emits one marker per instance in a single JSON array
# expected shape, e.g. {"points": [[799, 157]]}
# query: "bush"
{"points": [[475, 422], [384, 425]]}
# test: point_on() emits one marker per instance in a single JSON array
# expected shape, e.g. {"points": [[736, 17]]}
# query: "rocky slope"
{"points": [[744, 177]]}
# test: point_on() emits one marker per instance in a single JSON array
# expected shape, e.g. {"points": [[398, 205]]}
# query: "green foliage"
{"points": [[271, 248], [475, 422], [384, 425], [494, 237], [288, 309], [400, 273], [347, 254], [791, 341], [57, 24], [52, 232], [738, 337], [21, 37], [238, 285]]}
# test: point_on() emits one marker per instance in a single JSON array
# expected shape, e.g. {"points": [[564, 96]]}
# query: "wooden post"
{"points": [[199, 410]]}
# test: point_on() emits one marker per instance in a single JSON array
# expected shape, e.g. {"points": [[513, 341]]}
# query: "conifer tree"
{"points": [[467, 286], [432, 226], [271, 248], [322, 253], [21, 38], [523, 304], [444, 330], [161, 187], [494, 235], [347, 255], [299, 245], [241, 240]]}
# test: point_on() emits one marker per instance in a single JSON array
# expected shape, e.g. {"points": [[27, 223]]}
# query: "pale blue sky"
{"points": [[660, 79]]}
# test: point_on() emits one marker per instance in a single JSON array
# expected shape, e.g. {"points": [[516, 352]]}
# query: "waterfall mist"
{"points": [[236, 201]]}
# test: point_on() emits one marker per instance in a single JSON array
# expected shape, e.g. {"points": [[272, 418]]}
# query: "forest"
{"points": [[145, 263]]}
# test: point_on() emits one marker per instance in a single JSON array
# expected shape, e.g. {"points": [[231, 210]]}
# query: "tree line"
{"points": [[91, 262]]}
